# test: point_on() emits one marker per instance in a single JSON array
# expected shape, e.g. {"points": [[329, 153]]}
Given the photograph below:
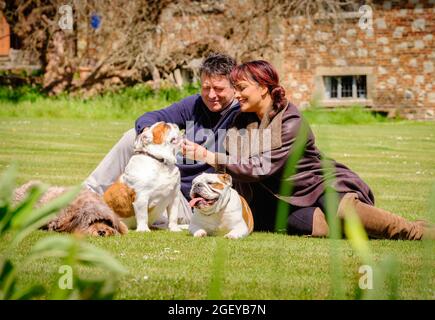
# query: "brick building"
{"points": [[11, 57], [388, 68], [5, 41]]}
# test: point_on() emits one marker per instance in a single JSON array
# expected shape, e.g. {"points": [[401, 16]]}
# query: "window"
{"points": [[342, 87]]}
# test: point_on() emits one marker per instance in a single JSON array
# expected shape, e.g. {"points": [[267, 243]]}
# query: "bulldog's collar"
{"points": [[150, 155]]}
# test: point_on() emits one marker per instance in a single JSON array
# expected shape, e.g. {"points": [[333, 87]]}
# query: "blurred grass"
{"points": [[165, 265], [128, 103], [131, 102], [344, 115], [396, 159]]}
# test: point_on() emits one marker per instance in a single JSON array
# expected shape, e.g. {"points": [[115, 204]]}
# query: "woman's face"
{"points": [[250, 95]]}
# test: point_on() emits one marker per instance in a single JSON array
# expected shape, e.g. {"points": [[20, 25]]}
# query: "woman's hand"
{"points": [[194, 151]]}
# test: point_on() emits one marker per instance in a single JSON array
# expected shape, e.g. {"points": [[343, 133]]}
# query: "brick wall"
{"points": [[398, 55], [4, 37]]}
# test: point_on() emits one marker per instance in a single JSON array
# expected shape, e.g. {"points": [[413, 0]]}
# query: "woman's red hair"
{"points": [[263, 73]]}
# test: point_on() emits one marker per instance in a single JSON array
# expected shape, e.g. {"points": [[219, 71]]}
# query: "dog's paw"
{"points": [[200, 233], [175, 228], [143, 229], [233, 235]]}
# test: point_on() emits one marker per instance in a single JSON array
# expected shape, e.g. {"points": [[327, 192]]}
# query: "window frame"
{"points": [[336, 91], [320, 92]]}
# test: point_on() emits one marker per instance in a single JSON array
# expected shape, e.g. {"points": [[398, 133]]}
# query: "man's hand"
{"points": [[193, 151]]}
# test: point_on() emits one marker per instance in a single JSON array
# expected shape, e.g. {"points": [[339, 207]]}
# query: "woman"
{"points": [[258, 170]]}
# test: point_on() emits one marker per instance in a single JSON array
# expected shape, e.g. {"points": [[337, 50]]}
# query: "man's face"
{"points": [[216, 92]]}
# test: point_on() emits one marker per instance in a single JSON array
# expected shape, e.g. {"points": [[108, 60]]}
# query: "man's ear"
{"points": [[226, 178]]}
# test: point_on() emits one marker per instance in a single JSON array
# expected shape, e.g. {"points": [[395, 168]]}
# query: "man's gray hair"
{"points": [[217, 64]]}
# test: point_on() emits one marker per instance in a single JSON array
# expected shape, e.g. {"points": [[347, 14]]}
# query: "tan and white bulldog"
{"points": [[149, 187], [218, 208]]}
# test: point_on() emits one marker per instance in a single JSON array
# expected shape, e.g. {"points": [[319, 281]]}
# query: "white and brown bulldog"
{"points": [[218, 208], [149, 187]]}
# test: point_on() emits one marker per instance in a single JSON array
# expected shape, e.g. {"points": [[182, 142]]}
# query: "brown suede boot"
{"points": [[320, 226], [380, 223]]}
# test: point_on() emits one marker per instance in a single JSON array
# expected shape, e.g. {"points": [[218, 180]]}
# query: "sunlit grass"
{"points": [[128, 103], [165, 265]]}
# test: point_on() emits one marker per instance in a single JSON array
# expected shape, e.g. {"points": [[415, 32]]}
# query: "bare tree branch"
{"points": [[128, 44]]}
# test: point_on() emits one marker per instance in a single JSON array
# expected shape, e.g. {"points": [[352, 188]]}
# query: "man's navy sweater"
{"points": [[192, 109]]}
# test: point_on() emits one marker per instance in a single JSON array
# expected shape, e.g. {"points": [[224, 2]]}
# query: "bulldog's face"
{"points": [[159, 134], [209, 192]]}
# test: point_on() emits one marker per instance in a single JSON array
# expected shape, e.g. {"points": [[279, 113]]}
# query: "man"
{"points": [[207, 112]]}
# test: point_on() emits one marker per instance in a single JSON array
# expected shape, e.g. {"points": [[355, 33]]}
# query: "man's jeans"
{"points": [[113, 165]]}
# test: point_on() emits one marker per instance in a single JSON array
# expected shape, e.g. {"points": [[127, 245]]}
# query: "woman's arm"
{"points": [[255, 168]]}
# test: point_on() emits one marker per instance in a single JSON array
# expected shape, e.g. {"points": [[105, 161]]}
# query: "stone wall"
{"points": [[397, 55]]}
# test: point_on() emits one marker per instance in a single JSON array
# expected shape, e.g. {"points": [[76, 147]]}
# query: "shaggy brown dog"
{"points": [[87, 214]]}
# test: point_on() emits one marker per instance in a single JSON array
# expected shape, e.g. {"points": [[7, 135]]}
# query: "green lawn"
{"points": [[396, 159]]}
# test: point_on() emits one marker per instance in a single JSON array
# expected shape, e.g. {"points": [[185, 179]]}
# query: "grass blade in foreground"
{"points": [[428, 257], [7, 184], [286, 187], [335, 257], [85, 253], [31, 219], [217, 271]]}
